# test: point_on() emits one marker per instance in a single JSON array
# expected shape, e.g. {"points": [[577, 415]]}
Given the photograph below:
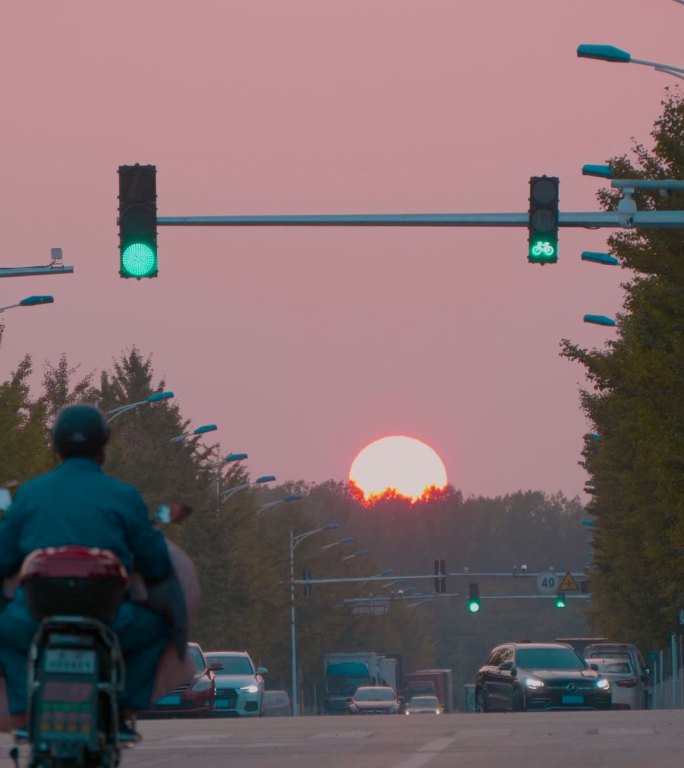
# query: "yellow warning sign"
{"points": [[568, 584]]}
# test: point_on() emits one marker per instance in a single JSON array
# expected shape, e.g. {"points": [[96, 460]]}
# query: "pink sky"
{"points": [[304, 345]]}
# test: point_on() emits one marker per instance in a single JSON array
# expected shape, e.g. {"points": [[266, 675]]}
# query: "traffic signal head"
{"points": [[138, 221], [560, 600], [543, 220], [474, 597]]}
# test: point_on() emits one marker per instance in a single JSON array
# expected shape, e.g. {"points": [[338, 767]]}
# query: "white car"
{"points": [[625, 682], [239, 684]]}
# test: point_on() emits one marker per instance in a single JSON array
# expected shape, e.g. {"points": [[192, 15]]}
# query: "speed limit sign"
{"points": [[547, 582]]}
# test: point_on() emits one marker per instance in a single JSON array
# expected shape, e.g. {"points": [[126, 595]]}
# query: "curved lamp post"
{"points": [[284, 500], [29, 301], [358, 553], [243, 486], [199, 431], [295, 540], [345, 540], [618, 56], [154, 398]]}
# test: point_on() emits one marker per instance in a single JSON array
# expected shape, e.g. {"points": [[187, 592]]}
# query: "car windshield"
{"points": [[374, 694], [233, 665], [424, 701], [549, 658], [616, 665]]}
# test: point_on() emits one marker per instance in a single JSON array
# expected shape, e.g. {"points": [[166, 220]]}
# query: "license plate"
{"points": [[221, 704], [63, 661], [572, 699], [169, 701]]}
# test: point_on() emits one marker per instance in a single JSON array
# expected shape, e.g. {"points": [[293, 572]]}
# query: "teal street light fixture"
{"points": [[345, 540], [618, 56], [599, 320], [154, 398], [195, 432], [29, 301], [285, 500], [243, 486], [358, 553], [600, 258], [295, 540], [603, 171]]}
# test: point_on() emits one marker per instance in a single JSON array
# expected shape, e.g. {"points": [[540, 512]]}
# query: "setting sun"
{"points": [[397, 464]]}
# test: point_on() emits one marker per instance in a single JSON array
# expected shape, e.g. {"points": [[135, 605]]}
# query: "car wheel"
{"points": [[518, 701], [481, 702]]}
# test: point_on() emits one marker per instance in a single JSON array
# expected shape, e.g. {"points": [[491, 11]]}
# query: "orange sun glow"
{"points": [[397, 465]]}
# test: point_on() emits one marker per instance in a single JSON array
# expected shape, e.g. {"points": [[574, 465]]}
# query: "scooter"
{"points": [[76, 667]]}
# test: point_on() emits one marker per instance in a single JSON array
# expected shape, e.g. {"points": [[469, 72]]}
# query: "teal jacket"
{"points": [[77, 503]]}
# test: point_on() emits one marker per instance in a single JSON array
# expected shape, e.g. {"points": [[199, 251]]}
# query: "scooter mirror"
{"points": [[174, 512]]}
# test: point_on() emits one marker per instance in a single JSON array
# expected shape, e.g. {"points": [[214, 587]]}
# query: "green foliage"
{"points": [[635, 403], [24, 444]]}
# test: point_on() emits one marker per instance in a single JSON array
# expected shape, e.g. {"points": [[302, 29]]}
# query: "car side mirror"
{"points": [[506, 666], [595, 667], [349, 700], [215, 666], [262, 671]]}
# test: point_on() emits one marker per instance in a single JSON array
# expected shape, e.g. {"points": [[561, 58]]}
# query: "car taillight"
{"points": [[626, 682]]}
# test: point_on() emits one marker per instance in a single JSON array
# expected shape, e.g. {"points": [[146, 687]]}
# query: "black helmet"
{"points": [[80, 430]]}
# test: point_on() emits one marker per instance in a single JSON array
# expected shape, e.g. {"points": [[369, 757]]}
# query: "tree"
{"points": [[635, 402], [24, 445]]}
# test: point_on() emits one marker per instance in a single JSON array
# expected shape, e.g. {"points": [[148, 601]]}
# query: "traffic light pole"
{"points": [[590, 220]]}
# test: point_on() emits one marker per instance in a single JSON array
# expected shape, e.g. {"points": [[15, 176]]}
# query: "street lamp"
{"points": [[345, 540], [284, 500], [618, 56], [199, 431], [295, 541], [154, 398], [243, 486], [358, 553], [29, 301], [599, 320]]}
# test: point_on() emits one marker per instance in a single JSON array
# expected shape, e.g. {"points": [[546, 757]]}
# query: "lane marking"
{"points": [[426, 752], [342, 735]]}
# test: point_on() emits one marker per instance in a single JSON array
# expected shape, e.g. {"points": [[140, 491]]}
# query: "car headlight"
{"points": [[202, 685], [534, 683], [603, 684], [249, 688]]}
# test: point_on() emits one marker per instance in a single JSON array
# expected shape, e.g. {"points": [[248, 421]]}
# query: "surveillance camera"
{"points": [[56, 254], [523, 568]]}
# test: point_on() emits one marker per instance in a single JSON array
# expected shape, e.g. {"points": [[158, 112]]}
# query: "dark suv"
{"points": [[520, 676]]}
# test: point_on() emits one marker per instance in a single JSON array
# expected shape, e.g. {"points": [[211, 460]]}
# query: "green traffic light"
{"points": [[139, 260], [543, 251], [560, 600], [473, 606]]}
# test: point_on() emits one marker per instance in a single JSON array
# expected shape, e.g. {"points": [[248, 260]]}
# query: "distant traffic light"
{"points": [[138, 221], [474, 597], [543, 220], [560, 600], [440, 577]]}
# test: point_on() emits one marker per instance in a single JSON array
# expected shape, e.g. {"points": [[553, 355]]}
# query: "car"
{"points": [[627, 687], [522, 676], [374, 700], [194, 699], [423, 705], [277, 704], [619, 651], [239, 684]]}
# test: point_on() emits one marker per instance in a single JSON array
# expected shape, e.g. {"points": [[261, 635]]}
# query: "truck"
{"points": [[343, 673], [434, 682]]}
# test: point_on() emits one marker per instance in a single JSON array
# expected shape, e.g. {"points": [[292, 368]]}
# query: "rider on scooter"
{"points": [[77, 503]]}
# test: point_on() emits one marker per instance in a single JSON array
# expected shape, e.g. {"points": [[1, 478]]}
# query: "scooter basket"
{"points": [[73, 581]]}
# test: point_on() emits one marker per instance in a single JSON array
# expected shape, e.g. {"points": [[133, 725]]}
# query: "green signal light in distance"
{"points": [[139, 260], [473, 606]]}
